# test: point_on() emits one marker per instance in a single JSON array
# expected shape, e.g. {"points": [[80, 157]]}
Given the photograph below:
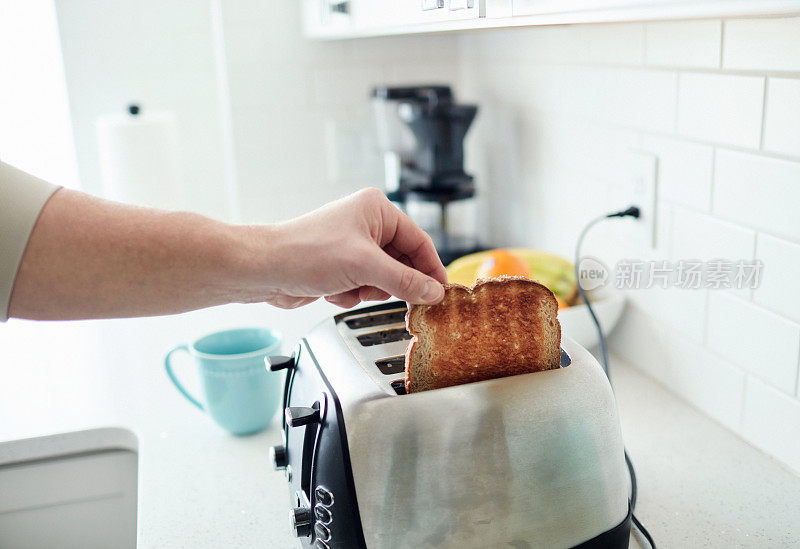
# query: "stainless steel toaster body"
{"points": [[533, 460]]}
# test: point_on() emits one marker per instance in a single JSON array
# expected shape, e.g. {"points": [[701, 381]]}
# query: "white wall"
{"points": [[719, 104], [159, 54], [35, 130], [301, 119], [299, 113]]}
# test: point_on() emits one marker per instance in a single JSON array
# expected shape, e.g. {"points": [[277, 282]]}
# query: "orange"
{"points": [[561, 303], [503, 263]]}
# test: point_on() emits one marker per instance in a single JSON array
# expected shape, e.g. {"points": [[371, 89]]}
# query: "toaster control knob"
{"points": [[301, 521], [280, 458], [323, 496], [323, 514], [322, 532], [275, 363], [300, 415]]}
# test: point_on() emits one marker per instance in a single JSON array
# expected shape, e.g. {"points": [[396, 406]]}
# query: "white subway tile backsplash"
{"points": [[593, 149], [710, 383], [758, 191], [700, 236], [636, 98], [721, 108], [562, 44], [762, 44], [574, 99], [620, 97], [621, 44], [642, 99], [759, 341], [685, 367], [682, 309], [493, 47], [683, 43], [622, 240], [643, 340], [684, 171], [665, 219], [779, 289], [782, 123], [433, 48], [771, 420]]}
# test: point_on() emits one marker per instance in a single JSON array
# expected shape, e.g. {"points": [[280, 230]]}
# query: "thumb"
{"points": [[404, 282]]}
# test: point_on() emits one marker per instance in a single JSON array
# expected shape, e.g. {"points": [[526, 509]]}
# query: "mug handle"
{"points": [[174, 378]]}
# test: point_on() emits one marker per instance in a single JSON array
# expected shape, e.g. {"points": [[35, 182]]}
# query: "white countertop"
{"points": [[199, 487]]}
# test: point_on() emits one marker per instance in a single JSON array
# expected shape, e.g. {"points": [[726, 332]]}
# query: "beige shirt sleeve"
{"points": [[22, 197]]}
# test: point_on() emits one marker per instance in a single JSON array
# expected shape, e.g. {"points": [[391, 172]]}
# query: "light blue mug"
{"points": [[239, 392]]}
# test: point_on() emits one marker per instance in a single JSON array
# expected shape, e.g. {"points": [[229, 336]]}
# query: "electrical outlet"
{"points": [[642, 191]]}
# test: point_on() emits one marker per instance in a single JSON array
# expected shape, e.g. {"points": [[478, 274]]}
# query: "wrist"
{"points": [[255, 261]]}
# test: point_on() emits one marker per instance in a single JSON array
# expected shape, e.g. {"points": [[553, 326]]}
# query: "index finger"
{"points": [[404, 237]]}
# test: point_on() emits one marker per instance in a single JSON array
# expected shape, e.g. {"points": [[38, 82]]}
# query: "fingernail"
{"points": [[432, 292]]}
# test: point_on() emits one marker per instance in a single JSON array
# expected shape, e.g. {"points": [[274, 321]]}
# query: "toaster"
{"points": [[533, 460]]}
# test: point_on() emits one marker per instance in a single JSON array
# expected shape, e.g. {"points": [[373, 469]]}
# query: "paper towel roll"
{"points": [[139, 160]]}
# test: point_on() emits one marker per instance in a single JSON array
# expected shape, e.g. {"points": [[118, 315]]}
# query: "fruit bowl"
{"points": [[576, 322], [558, 274], [552, 270]]}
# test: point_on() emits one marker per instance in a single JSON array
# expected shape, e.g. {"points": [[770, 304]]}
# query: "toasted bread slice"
{"points": [[498, 327]]}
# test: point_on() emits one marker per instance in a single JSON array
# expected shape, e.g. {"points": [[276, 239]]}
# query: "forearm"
{"points": [[89, 258]]}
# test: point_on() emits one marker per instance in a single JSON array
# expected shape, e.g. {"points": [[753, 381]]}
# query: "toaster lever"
{"points": [[302, 521], [276, 363], [301, 415], [280, 458]]}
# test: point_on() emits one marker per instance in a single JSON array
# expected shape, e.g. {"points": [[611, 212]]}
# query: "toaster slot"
{"points": [[391, 366], [392, 317], [383, 336], [399, 387]]}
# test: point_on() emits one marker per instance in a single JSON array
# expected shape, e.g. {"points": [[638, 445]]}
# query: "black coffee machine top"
{"points": [[429, 162], [439, 163], [431, 94]]}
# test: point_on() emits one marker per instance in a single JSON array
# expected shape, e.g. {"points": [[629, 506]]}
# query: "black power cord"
{"points": [[633, 211]]}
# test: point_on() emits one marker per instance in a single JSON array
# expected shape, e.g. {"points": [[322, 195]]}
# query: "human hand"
{"points": [[358, 248]]}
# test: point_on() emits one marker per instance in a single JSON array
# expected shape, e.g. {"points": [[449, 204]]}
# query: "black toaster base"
{"points": [[617, 538]]}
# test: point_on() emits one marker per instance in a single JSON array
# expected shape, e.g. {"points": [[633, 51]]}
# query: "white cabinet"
{"points": [[351, 18], [536, 7], [328, 18], [578, 11], [376, 17]]}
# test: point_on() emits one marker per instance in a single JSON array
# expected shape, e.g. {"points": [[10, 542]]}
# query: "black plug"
{"points": [[633, 211]]}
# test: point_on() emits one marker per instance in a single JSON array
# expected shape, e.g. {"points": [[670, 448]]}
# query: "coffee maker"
{"points": [[421, 132]]}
